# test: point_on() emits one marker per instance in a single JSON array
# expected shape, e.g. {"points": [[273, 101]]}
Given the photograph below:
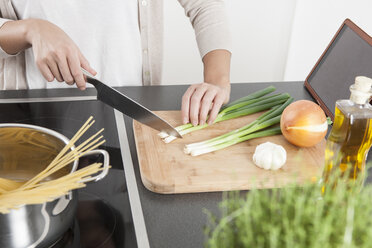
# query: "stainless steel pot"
{"points": [[38, 225]]}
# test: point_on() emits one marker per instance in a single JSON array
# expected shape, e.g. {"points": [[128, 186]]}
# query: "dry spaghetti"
{"points": [[37, 190]]}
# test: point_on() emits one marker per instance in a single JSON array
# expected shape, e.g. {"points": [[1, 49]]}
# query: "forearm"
{"points": [[217, 67], [56, 55], [14, 36]]}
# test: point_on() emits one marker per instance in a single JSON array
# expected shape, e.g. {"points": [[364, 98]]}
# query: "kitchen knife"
{"points": [[129, 107]]}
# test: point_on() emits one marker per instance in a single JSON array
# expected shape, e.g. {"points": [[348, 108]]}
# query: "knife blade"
{"points": [[129, 107]]}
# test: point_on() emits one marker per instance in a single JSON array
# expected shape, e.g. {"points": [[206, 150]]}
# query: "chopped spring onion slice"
{"points": [[163, 135], [169, 139]]}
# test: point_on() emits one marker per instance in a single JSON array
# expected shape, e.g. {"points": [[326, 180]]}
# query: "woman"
{"points": [[51, 40]]}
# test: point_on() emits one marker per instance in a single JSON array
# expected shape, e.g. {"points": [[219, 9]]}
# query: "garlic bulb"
{"points": [[269, 156]]}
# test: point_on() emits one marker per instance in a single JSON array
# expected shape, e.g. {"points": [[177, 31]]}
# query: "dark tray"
{"points": [[348, 55]]}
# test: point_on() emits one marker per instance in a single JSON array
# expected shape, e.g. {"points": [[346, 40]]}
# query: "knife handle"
{"points": [[86, 73]]}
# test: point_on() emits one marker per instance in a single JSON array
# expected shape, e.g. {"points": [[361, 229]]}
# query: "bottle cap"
{"points": [[363, 83], [361, 90]]}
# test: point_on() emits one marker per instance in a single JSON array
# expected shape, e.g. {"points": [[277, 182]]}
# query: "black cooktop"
{"points": [[103, 217]]}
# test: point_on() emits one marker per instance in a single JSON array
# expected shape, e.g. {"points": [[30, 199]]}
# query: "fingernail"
{"points": [[201, 123], [194, 123], [185, 120]]}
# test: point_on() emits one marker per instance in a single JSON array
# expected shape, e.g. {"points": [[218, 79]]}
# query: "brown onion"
{"points": [[303, 123]]}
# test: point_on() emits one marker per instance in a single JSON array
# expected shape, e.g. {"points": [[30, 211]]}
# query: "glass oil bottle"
{"points": [[351, 135]]}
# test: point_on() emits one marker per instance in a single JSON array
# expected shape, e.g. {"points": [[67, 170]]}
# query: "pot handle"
{"points": [[106, 165]]}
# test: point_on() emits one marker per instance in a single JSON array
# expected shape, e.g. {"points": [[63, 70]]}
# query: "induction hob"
{"points": [[103, 217]]}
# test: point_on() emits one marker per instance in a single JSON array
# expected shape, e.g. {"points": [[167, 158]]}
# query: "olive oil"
{"points": [[351, 135]]}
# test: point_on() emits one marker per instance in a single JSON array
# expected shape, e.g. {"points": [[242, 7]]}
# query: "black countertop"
{"points": [[178, 220], [171, 220]]}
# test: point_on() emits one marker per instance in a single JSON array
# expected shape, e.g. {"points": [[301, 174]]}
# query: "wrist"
{"points": [[31, 28], [221, 81]]}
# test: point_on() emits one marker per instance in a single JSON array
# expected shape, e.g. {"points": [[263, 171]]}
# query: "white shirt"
{"points": [[106, 31]]}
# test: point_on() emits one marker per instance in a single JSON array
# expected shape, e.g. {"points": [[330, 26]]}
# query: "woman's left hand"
{"points": [[201, 100]]}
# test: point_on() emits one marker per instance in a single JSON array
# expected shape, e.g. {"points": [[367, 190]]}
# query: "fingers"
{"points": [[202, 99], [206, 104], [85, 64], [195, 103], [65, 71], [55, 71], [217, 103], [57, 56], [45, 71], [185, 110], [77, 74], [67, 67], [64, 65]]}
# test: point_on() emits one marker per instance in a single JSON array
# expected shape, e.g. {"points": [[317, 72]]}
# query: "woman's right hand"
{"points": [[56, 55]]}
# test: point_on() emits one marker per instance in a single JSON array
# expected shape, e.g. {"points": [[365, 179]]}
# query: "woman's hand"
{"points": [[201, 100], [56, 55]]}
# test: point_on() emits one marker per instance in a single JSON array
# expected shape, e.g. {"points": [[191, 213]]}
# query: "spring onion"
{"points": [[253, 103], [255, 129], [251, 96]]}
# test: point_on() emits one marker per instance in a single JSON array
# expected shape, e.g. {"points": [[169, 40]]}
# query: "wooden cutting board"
{"points": [[166, 169]]}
